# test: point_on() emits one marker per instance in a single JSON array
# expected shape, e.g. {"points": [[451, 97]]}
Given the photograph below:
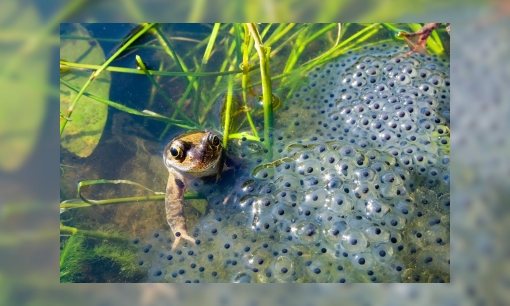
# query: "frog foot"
{"points": [[417, 41], [182, 236]]}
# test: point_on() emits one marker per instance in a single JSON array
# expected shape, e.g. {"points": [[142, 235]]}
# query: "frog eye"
{"points": [[215, 140], [176, 152]]}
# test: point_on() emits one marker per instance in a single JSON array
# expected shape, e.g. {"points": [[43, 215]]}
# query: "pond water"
{"points": [[356, 190]]}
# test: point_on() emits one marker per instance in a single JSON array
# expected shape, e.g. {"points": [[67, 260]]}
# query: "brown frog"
{"points": [[191, 155]]}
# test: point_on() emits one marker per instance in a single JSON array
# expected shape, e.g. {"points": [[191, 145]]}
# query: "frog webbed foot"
{"points": [[417, 41]]}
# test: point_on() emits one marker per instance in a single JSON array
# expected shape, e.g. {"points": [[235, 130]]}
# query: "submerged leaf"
{"points": [[82, 134]]}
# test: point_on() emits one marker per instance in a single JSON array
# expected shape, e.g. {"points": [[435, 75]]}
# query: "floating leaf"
{"points": [[82, 134]]}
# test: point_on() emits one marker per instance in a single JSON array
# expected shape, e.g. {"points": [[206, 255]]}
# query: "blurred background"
{"points": [[29, 151]]}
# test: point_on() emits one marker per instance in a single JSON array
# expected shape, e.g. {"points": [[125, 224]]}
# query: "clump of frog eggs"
{"points": [[358, 190]]}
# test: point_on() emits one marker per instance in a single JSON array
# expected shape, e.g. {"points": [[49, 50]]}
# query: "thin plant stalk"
{"points": [[246, 77], [72, 204], [301, 46], [205, 60], [181, 66], [271, 40], [162, 92], [145, 113], [91, 202], [66, 65], [267, 92], [153, 89], [228, 110], [96, 73], [324, 57], [68, 230]]}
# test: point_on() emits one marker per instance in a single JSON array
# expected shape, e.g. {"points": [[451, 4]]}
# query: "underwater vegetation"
{"points": [[350, 183]]}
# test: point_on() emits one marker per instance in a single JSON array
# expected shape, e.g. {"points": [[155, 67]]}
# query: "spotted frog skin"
{"points": [[191, 155]]}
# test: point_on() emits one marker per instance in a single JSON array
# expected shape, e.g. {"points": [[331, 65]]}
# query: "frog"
{"points": [[196, 154]]}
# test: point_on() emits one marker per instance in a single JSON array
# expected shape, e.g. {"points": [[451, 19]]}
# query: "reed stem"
{"points": [[267, 92]]}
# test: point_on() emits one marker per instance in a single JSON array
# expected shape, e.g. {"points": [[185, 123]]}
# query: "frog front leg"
{"points": [[174, 205]]}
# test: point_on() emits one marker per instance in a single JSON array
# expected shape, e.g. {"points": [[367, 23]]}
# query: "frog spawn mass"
{"points": [[358, 190]]}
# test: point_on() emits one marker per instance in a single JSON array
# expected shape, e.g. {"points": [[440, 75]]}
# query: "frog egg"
{"points": [[334, 229], [390, 190], [426, 125], [321, 149], [247, 200], [379, 167], [394, 221], [358, 221], [287, 168], [312, 181], [373, 208], [402, 79], [412, 275], [388, 68], [315, 197], [267, 188], [406, 209], [283, 269], [383, 253], [318, 270], [305, 155], [443, 205], [358, 82], [364, 190], [347, 151], [257, 260], [263, 203], [427, 260], [362, 261], [264, 172], [436, 80], [281, 211], [358, 73], [376, 233], [249, 186], [377, 126], [329, 158], [409, 70], [288, 181], [373, 71], [424, 73], [365, 174], [376, 105], [308, 167], [387, 137], [307, 233], [288, 197], [243, 277], [340, 202], [331, 180], [341, 274], [354, 241], [437, 235], [393, 125], [438, 278], [344, 169]]}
